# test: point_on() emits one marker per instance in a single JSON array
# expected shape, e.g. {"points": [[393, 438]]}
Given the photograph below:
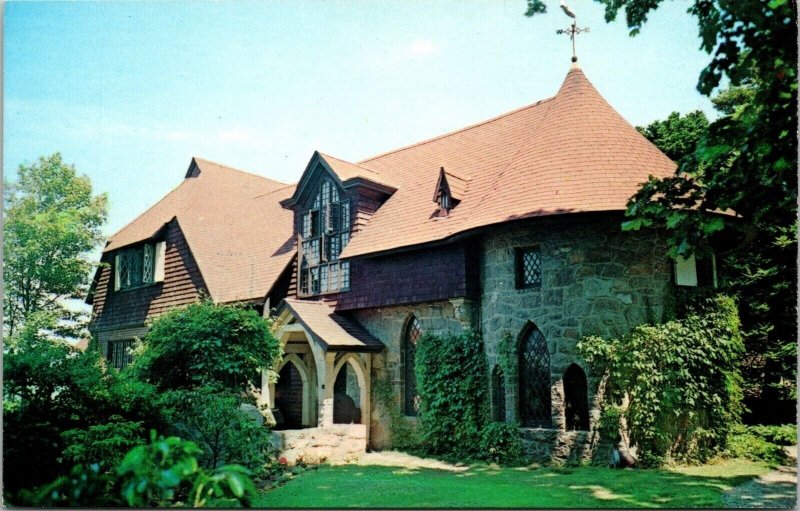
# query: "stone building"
{"points": [[509, 227]]}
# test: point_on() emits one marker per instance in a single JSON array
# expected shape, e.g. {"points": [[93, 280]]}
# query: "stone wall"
{"points": [[389, 325], [340, 443], [595, 280]]}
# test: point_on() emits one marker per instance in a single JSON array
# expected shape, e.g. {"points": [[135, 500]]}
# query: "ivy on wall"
{"points": [[681, 380]]}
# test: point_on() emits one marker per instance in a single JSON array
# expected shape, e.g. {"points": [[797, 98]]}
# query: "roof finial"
{"points": [[572, 30]]}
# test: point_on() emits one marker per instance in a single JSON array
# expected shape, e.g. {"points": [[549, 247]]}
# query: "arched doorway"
{"points": [[290, 394], [346, 397], [498, 395], [576, 399], [534, 379]]}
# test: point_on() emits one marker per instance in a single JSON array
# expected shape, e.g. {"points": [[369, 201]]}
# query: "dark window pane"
{"points": [[498, 395], [529, 267], [534, 380], [576, 399]]}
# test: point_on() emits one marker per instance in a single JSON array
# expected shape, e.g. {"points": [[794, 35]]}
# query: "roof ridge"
{"points": [[532, 130], [457, 131], [228, 167], [360, 165]]}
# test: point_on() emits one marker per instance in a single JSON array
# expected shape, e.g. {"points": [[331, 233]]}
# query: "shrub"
{"points": [[103, 444], [780, 435], [451, 381], [164, 472], [49, 388], [743, 443], [500, 443], [214, 421], [206, 344], [681, 379]]}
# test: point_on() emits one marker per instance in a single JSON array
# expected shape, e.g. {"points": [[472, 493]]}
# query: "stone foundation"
{"points": [[339, 443], [564, 447]]}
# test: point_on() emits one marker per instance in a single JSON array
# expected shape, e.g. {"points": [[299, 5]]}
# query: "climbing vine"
{"points": [[681, 379], [403, 434]]}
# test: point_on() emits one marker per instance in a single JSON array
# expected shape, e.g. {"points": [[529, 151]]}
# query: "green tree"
{"points": [[52, 222], [746, 163], [677, 136], [206, 344]]}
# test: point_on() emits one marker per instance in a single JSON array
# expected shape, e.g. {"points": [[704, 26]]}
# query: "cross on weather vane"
{"points": [[572, 30]]}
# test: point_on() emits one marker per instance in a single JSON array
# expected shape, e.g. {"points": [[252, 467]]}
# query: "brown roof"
{"points": [[566, 154], [237, 231], [346, 171], [334, 331]]}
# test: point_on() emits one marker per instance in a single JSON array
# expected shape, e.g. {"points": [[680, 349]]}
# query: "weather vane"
{"points": [[572, 30]]}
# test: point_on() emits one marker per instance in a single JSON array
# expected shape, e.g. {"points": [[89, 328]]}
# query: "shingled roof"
{"points": [[567, 154], [238, 233]]}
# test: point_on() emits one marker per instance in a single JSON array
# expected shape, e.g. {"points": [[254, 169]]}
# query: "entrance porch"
{"points": [[320, 390]]}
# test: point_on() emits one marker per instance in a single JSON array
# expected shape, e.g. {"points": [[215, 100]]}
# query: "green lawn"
{"points": [[481, 486]]}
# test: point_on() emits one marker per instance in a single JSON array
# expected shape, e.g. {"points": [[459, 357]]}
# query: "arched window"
{"points": [[498, 395], [534, 379], [576, 399], [410, 338]]}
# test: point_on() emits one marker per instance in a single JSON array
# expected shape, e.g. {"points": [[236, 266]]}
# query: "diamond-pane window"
{"points": [[534, 380], [135, 266], [412, 335], [529, 267]]}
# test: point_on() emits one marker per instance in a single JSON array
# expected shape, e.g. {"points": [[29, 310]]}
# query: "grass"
{"points": [[483, 486]]}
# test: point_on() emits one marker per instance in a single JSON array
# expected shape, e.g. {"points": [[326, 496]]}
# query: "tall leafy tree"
{"points": [[52, 222], [747, 163]]}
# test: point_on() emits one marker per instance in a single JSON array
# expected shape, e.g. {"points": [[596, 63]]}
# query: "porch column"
{"points": [[326, 380]]}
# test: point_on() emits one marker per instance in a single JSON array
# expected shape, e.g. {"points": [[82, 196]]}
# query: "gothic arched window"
{"points": [[534, 379], [410, 338], [576, 399], [498, 395]]}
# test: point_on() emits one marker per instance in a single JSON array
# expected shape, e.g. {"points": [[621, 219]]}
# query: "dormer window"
{"points": [[449, 190], [324, 232], [139, 265]]}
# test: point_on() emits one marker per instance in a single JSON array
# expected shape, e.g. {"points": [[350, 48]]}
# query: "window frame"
{"points": [[329, 221], [157, 256], [412, 328], [519, 267], [119, 347]]}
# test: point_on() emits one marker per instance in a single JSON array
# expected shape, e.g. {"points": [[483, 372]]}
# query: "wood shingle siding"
{"points": [[183, 284]]}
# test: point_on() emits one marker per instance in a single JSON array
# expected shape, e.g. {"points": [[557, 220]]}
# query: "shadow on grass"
{"points": [[481, 487]]}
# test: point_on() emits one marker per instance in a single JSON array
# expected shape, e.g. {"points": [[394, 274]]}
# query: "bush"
{"points": [[743, 443], [451, 381], [164, 472], [500, 443], [780, 435], [206, 344], [102, 444], [681, 379], [214, 421], [49, 388]]}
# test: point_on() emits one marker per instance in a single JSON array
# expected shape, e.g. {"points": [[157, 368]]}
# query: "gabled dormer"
{"points": [[450, 189], [331, 202]]}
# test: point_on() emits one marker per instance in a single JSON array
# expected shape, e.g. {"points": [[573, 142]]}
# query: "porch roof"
{"points": [[333, 331]]}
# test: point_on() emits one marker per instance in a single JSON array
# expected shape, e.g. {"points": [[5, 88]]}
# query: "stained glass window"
{"points": [[534, 379]]}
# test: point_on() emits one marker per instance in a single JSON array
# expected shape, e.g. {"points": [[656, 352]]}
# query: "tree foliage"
{"points": [[50, 388], [206, 344], [681, 380], [52, 222]]}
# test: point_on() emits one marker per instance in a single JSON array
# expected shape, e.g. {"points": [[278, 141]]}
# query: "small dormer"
{"points": [[450, 189]]}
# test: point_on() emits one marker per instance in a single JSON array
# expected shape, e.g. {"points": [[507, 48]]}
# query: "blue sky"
{"points": [[130, 91]]}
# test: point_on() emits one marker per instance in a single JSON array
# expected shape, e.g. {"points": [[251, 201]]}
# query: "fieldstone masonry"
{"points": [[596, 279]]}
